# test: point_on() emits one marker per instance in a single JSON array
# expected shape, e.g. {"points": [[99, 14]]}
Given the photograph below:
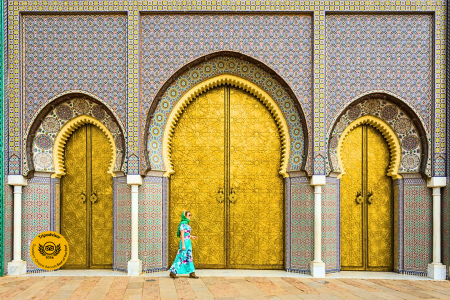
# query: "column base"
{"points": [[17, 267], [436, 271], [135, 267], [317, 269]]}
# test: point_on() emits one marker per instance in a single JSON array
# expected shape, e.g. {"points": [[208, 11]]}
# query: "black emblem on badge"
{"points": [[49, 249]]}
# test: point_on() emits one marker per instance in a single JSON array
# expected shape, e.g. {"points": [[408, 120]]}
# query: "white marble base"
{"points": [[135, 267], [436, 271], [17, 267], [318, 269]]}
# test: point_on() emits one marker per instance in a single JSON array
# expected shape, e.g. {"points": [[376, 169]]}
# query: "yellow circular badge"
{"points": [[49, 250]]}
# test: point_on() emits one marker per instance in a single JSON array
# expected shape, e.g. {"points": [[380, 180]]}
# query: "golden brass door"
{"points": [[87, 200], [366, 202], [226, 153]]}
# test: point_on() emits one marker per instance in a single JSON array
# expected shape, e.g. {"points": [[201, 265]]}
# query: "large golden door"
{"points": [[226, 153], [87, 200], [366, 202]]}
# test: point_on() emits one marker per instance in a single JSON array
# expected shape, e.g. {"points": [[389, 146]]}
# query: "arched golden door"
{"points": [[226, 153], [366, 202], [87, 199]]}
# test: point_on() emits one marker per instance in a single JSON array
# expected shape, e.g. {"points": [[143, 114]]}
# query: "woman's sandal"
{"points": [[173, 275], [192, 275]]}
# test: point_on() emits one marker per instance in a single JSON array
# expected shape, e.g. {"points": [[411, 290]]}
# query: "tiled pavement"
{"points": [[124, 287]]}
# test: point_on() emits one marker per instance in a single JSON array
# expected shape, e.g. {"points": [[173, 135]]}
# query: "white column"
{"points": [[317, 265], [135, 264], [17, 266], [436, 270]]}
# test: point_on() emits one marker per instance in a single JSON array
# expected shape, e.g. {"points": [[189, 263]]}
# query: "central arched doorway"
{"points": [[226, 154], [87, 199], [366, 201]]}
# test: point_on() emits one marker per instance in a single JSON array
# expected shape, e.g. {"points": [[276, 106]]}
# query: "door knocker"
{"points": [[220, 196], [94, 197], [369, 197], [359, 198], [233, 196]]}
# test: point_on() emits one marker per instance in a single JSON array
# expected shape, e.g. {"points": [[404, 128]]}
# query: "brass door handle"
{"points": [[93, 197], [370, 197], [220, 196], [83, 196], [359, 198], [233, 196]]}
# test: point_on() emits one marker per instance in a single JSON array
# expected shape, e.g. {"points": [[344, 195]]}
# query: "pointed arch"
{"points": [[388, 133], [66, 131], [218, 81]]}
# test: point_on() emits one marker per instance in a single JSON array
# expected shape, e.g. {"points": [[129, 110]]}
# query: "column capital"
{"points": [[318, 180], [17, 180], [437, 182], [134, 179]]}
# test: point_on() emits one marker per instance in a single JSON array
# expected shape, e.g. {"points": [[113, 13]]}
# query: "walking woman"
{"points": [[183, 263]]}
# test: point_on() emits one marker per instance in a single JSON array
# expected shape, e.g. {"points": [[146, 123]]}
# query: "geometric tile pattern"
{"points": [[122, 223], [56, 119], [398, 120], [171, 41], [212, 68], [387, 52], [74, 52], [418, 226], [36, 207], [134, 10], [302, 224], [331, 225], [150, 224]]}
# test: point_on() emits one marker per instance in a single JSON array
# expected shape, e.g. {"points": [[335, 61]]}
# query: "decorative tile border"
{"points": [[134, 8]]}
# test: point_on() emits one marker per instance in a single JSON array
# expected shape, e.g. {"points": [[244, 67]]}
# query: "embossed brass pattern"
{"points": [[198, 156], [226, 152], [88, 225], [366, 202]]}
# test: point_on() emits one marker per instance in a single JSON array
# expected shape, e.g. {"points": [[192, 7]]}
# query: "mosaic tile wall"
{"points": [[393, 53], [331, 225], [399, 121], [151, 224], [282, 42], [36, 215], [95, 46], [122, 223], [8, 221], [64, 112], [212, 68], [418, 227], [302, 224]]}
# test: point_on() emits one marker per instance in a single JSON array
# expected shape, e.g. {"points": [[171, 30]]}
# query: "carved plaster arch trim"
{"points": [[388, 133], [210, 83], [88, 94], [359, 96], [66, 131]]}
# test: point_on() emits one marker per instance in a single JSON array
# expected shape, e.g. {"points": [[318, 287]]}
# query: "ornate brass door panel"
{"points": [[256, 231], [226, 152], [366, 202], [198, 182], [87, 200]]}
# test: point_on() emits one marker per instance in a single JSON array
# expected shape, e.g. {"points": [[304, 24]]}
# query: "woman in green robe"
{"points": [[183, 263]]}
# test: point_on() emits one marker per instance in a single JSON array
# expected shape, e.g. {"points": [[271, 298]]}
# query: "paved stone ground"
{"points": [[124, 287]]}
